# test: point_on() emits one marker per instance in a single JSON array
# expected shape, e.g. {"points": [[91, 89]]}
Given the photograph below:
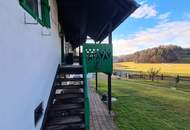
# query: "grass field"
{"points": [[167, 69], [146, 105], [185, 59]]}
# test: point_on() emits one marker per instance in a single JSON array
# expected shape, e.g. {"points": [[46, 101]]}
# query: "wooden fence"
{"points": [[143, 76]]}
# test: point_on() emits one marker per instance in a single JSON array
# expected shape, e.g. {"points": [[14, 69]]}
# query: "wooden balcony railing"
{"points": [[96, 58]]}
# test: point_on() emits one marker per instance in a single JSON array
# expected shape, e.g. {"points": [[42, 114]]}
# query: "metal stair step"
{"points": [[75, 112], [73, 101], [71, 69], [77, 126], [68, 86], [66, 107], [69, 91], [69, 79], [65, 120], [68, 96]]}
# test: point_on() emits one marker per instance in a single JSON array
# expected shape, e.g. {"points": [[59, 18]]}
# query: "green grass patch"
{"points": [[146, 105]]}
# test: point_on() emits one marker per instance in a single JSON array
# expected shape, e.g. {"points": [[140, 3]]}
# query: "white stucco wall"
{"points": [[28, 62]]}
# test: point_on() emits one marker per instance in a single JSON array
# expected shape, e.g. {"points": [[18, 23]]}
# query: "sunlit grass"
{"points": [[147, 105], [167, 69]]}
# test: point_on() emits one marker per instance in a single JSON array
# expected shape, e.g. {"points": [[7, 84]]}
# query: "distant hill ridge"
{"points": [[161, 54]]}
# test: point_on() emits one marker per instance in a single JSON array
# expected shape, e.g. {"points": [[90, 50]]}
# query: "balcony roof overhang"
{"points": [[82, 18]]}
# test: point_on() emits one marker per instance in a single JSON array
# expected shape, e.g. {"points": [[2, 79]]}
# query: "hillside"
{"points": [[161, 54]]}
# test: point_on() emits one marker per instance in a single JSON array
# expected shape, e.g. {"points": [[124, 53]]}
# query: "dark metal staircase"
{"points": [[66, 109]]}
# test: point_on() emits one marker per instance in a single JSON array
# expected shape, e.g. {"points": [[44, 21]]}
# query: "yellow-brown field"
{"points": [[168, 69]]}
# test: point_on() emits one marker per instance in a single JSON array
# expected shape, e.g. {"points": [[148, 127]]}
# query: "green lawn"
{"points": [[146, 105]]}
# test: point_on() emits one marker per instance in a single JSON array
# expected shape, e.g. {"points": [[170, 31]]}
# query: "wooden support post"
{"points": [[109, 93], [96, 78], [96, 81], [80, 56], [79, 50], [109, 75], [62, 49], [80, 53]]}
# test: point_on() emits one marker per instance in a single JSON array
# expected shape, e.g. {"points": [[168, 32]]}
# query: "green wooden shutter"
{"points": [[45, 13], [32, 9], [21, 1]]}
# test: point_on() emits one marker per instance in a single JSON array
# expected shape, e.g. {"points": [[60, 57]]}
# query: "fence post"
{"points": [[162, 77], [177, 79]]}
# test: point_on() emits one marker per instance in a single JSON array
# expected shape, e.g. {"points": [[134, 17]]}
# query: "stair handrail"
{"points": [[50, 99]]}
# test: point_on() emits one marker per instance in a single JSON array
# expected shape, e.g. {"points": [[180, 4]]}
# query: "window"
{"points": [[38, 9]]}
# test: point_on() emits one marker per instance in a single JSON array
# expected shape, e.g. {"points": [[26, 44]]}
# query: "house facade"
{"points": [[30, 53], [36, 37]]}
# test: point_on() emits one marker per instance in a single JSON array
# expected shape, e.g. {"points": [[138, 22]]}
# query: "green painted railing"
{"points": [[96, 58], [87, 105]]}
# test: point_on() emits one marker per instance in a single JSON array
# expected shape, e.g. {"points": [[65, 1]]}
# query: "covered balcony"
{"points": [[69, 104]]}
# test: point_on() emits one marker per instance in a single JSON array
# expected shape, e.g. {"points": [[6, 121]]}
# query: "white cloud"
{"points": [[164, 16], [145, 11], [187, 15], [176, 32]]}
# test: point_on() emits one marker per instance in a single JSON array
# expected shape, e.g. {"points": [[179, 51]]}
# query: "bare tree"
{"points": [[153, 72]]}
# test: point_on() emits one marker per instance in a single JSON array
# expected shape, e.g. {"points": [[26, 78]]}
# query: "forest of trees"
{"points": [[161, 54]]}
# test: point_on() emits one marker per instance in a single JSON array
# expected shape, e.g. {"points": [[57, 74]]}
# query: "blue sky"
{"points": [[156, 22]]}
